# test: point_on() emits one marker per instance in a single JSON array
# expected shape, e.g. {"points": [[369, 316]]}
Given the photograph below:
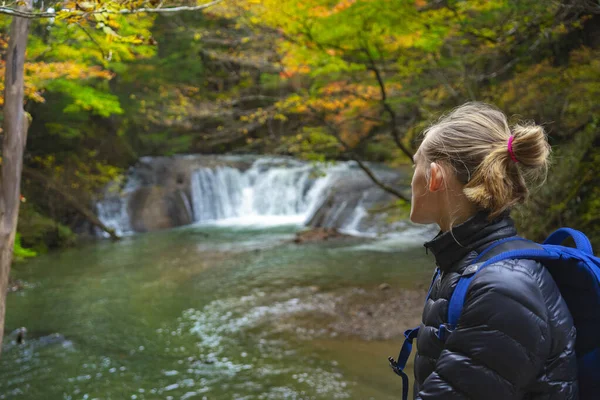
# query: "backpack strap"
{"points": [[398, 366], [493, 254], [581, 241], [409, 335]]}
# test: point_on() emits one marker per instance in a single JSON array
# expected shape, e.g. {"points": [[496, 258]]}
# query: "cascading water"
{"points": [[218, 194], [243, 191], [112, 211], [264, 194]]}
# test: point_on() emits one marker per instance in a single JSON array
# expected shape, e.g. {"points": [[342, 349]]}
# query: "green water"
{"points": [[203, 313]]}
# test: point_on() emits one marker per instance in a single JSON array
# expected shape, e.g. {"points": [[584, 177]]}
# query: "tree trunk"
{"points": [[15, 136]]}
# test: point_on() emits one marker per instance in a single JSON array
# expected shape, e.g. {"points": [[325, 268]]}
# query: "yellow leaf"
{"points": [[86, 5]]}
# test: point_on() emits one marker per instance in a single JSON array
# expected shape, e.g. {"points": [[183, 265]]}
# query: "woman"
{"points": [[515, 337]]}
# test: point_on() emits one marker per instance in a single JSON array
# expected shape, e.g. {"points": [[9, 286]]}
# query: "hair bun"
{"points": [[530, 145]]}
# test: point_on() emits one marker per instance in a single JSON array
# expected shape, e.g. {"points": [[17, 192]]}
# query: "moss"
{"points": [[40, 233], [21, 253]]}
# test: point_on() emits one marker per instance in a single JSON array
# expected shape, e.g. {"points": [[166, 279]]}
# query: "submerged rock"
{"points": [[368, 313], [318, 235], [22, 337], [21, 333], [378, 314], [15, 285]]}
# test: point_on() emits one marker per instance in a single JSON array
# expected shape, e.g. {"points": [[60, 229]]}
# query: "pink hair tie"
{"points": [[510, 149]]}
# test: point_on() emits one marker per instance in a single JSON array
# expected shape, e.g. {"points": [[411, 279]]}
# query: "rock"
{"points": [[377, 315], [15, 285], [22, 332], [33, 340], [148, 209], [158, 193], [318, 235], [154, 208], [384, 286], [159, 196], [353, 196]]}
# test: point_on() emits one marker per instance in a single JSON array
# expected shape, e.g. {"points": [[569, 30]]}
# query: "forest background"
{"points": [[318, 79]]}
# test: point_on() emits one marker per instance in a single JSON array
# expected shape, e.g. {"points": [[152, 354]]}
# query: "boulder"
{"points": [[154, 208], [352, 199]]}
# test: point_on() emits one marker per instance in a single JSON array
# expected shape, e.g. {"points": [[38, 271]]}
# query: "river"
{"points": [[213, 312], [225, 305]]}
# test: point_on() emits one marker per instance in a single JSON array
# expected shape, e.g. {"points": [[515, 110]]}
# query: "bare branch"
{"points": [[89, 35], [508, 65], [249, 98], [260, 65], [170, 9], [69, 198], [379, 183], [13, 12], [37, 14], [334, 131], [393, 117]]}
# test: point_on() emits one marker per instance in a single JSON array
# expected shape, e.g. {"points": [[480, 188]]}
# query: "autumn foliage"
{"points": [[319, 79]]}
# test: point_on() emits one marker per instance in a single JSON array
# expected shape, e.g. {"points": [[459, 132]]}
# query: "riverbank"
{"points": [[379, 314], [369, 313]]}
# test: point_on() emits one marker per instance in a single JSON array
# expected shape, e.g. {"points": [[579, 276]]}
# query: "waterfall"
{"points": [[265, 193], [218, 193], [352, 224], [112, 210], [167, 192], [113, 214]]}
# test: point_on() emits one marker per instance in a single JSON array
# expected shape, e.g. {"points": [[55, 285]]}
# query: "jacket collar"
{"points": [[471, 236]]}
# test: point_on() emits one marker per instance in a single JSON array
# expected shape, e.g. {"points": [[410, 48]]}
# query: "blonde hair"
{"points": [[473, 141]]}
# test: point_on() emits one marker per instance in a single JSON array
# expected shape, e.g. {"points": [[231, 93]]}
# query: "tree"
{"points": [[15, 136], [371, 75], [15, 125]]}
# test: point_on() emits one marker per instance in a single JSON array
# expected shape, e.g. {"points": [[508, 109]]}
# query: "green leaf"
{"points": [[87, 98], [21, 253]]}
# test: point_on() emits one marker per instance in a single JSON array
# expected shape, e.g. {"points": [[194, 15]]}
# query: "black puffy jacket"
{"points": [[515, 338]]}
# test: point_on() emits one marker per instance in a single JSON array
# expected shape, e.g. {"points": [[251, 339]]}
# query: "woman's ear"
{"points": [[436, 178]]}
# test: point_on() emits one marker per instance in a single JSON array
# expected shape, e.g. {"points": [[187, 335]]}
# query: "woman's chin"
{"points": [[415, 218]]}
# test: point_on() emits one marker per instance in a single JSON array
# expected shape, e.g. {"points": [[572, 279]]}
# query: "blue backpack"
{"points": [[576, 272]]}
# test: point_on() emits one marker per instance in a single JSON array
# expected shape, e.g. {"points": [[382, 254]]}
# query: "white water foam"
{"points": [[267, 194], [260, 220], [218, 362], [271, 192], [113, 212], [412, 236], [221, 318]]}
